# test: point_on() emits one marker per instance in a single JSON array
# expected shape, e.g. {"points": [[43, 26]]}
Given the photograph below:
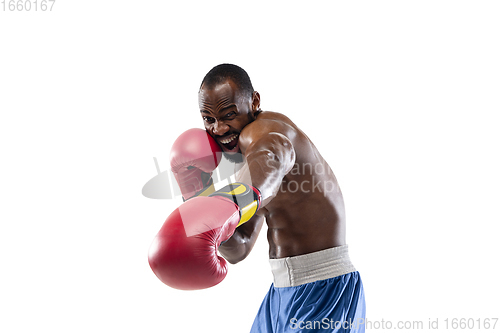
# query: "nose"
{"points": [[220, 128]]}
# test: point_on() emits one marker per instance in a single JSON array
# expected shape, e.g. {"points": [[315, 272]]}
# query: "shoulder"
{"points": [[266, 123]]}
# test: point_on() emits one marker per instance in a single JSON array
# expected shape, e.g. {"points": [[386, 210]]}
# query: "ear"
{"points": [[255, 102]]}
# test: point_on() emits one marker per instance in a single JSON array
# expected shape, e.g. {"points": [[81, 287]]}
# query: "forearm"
{"points": [[237, 248]]}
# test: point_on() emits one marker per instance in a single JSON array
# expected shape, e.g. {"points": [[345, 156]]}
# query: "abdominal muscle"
{"points": [[301, 223]]}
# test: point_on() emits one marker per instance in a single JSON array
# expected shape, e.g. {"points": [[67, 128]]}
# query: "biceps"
{"points": [[269, 160], [272, 151]]}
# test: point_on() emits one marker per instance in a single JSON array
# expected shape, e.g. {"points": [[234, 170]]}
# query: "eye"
{"points": [[230, 114], [208, 119]]}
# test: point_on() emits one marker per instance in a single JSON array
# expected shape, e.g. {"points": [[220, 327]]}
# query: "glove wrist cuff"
{"points": [[246, 197]]}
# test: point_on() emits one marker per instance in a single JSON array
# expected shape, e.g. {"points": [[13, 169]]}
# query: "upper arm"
{"points": [[270, 155]]}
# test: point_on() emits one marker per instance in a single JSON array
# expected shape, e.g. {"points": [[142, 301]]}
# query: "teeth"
{"points": [[231, 138]]}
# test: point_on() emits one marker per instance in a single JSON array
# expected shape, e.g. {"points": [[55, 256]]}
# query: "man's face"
{"points": [[226, 111]]}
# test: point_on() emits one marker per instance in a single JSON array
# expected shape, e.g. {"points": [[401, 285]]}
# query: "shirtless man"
{"points": [[293, 190]]}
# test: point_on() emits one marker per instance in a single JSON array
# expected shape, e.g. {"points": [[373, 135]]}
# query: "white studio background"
{"points": [[401, 97]]}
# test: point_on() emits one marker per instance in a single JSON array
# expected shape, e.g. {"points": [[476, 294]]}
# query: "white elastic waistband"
{"points": [[307, 268]]}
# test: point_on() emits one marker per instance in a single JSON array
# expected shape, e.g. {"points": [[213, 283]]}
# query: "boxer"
{"points": [[289, 186]]}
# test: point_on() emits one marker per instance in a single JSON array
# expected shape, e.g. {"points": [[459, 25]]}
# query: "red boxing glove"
{"points": [[193, 158], [183, 254]]}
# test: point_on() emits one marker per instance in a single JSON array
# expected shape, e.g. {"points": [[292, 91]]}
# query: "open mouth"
{"points": [[230, 142]]}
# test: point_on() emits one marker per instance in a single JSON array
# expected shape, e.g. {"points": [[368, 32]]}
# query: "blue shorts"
{"points": [[335, 304]]}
